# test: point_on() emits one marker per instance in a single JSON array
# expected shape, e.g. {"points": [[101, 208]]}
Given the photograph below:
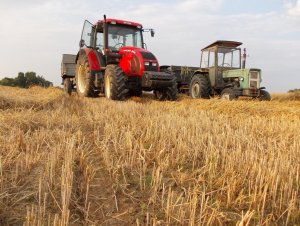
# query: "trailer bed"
{"points": [[68, 66]]}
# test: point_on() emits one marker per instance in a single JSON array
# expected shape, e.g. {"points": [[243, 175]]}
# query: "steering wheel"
{"points": [[226, 65], [99, 47], [118, 44]]}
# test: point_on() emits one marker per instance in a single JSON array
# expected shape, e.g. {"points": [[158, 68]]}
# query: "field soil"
{"points": [[66, 160]]}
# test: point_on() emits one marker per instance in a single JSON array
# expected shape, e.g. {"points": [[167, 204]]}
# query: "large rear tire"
{"points": [[84, 78], [68, 86], [114, 83], [264, 96], [199, 87]]}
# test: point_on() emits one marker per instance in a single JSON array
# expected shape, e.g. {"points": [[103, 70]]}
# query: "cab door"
{"points": [[87, 35]]}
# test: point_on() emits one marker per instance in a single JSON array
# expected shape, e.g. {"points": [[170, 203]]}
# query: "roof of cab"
{"points": [[125, 22], [224, 43]]}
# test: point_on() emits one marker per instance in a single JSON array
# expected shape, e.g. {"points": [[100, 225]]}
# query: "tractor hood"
{"points": [[135, 61]]}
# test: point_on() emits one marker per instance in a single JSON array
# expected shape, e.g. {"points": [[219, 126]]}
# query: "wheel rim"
{"points": [[81, 79], [195, 90], [225, 96], [107, 87]]}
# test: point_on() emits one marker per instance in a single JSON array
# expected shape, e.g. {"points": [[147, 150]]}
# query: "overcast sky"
{"points": [[34, 34]]}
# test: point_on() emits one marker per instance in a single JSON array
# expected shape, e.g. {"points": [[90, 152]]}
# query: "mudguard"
{"points": [[92, 58], [132, 63]]}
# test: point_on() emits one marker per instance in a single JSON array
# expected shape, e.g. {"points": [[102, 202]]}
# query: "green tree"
{"points": [[26, 80], [21, 80]]}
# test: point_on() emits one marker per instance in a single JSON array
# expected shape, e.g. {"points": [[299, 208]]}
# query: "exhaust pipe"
{"points": [[244, 59]]}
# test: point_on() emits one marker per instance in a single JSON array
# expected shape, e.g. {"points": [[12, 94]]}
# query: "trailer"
{"points": [[68, 71]]}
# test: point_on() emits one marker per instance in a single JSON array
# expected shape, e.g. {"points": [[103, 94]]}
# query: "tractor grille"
{"points": [[150, 67], [254, 79], [148, 56]]}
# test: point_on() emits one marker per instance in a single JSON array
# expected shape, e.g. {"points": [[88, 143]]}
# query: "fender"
{"points": [[132, 62], [92, 58]]}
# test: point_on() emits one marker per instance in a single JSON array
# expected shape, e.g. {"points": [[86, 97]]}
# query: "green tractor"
{"points": [[222, 72]]}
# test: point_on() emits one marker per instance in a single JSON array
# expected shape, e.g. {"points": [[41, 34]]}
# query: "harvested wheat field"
{"points": [[77, 161]]}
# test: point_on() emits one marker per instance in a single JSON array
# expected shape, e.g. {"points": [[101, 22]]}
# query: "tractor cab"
{"points": [[218, 57], [109, 35]]}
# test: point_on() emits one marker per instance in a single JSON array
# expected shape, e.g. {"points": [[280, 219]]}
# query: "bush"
{"points": [[294, 91], [26, 80]]}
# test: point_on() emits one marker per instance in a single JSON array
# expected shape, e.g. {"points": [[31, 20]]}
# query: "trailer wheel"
{"points": [[264, 96], [67, 86], [114, 83], [228, 94], [199, 87], [84, 78]]}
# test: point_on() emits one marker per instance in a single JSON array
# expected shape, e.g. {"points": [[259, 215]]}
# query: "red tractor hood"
{"points": [[135, 61]]}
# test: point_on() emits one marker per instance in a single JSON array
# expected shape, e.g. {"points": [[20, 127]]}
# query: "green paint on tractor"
{"points": [[248, 78]]}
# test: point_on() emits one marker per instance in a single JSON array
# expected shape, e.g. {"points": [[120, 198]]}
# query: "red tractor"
{"points": [[113, 60]]}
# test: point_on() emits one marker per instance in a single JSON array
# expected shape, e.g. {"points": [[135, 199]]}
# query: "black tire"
{"points": [[136, 93], [160, 95], [169, 93], [114, 83], [84, 78], [264, 96], [228, 94], [137, 90], [199, 87], [68, 86]]}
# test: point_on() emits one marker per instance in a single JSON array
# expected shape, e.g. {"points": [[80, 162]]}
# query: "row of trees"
{"points": [[294, 91], [25, 80]]}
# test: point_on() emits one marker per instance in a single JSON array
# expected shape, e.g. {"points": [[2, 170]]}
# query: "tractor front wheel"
{"points": [[264, 96], [199, 87], [169, 93], [228, 94], [114, 83]]}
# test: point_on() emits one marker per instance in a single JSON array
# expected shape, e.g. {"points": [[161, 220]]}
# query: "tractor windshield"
{"points": [[229, 57], [120, 35]]}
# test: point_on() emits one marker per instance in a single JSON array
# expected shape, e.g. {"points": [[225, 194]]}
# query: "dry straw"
{"points": [[76, 161]]}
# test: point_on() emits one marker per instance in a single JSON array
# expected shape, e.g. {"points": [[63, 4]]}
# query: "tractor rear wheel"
{"points": [[114, 83], [84, 78], [228, 94], [199, 87], [67, 86], [264, 96]]}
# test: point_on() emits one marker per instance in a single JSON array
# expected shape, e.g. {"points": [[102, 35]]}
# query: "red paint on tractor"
{"points": [[125, 22], [132, 62], [93, 59]]}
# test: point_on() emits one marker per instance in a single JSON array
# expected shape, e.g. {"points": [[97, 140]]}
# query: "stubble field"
{"points": [[78, 161]]}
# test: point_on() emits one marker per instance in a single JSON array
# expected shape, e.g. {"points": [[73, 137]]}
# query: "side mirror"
{"points": [[81, 43], [152, 32]]}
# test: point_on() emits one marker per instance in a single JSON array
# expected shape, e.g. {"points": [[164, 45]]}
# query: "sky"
{"points": [[34, 33]]}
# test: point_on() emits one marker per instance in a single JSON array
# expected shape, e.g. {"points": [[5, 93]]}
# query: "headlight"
{"points": [[147, 63], [154, 64], [241, 79]]}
